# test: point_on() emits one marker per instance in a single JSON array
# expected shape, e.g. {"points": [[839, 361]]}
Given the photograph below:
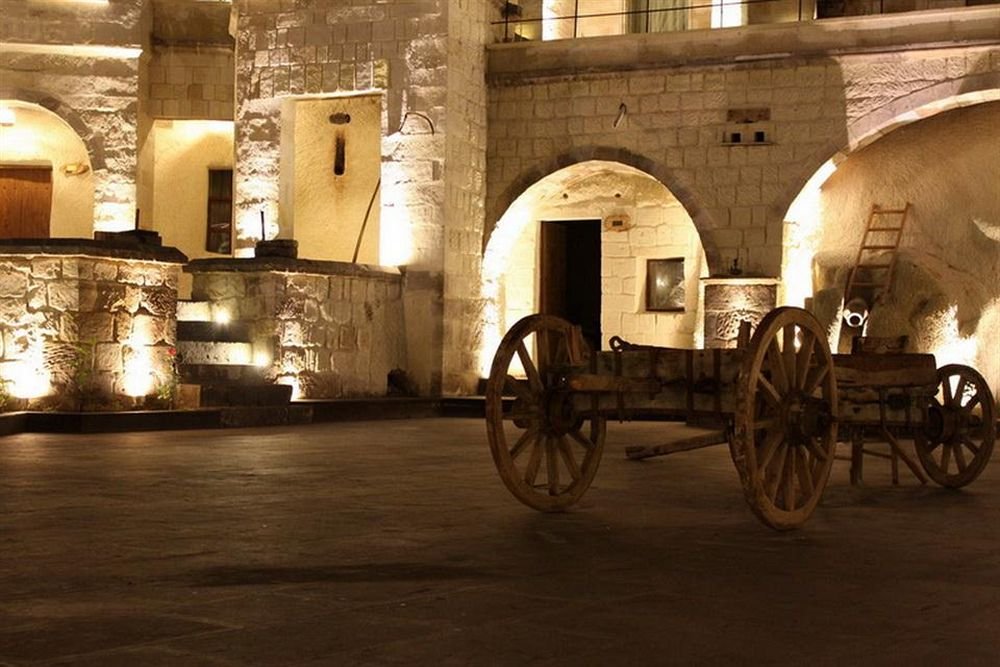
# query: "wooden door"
{"points": [[25, 202], [570, 274]]}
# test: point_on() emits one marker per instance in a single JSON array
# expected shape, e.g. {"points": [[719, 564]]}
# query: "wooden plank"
{"points": [[25, 202], [639, 452]]}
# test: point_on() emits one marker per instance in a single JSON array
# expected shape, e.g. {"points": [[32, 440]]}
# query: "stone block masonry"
{"points": [[329, 329], [190, 83], [85, 325]]}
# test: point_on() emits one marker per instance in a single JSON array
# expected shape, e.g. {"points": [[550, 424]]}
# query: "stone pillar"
{"points": [[730, 301]]}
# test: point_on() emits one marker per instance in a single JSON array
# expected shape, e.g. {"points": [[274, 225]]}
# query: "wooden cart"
{"points": [[782, 399]]}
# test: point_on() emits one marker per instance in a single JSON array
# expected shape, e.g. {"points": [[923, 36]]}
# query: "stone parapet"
{"points": [[329, 329], [731, 301], [85, 325]]}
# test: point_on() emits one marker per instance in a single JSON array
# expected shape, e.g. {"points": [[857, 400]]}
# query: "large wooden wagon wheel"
{"points": [[546, 453], [957, 441], [785, 429]]}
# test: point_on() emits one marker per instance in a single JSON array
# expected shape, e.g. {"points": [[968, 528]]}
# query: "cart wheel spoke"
{"points": [[788, 355], [519, 388], [552, 467], [805, 472], [534, 463], [526, 438], [789, 480], [776, 474], [969, 407], [534, 379], [812, 444], [805, 358], [769, 447], [816, 376], [959, 454], [945, 457], [568, 458], [777, 366], [770, 392], [581, 439], [973, 447]]}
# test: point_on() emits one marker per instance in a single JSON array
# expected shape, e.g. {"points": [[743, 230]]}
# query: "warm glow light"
{"points": [[7, 116], [138, 379], [803, 233], [261, 359], [221, 316], [728, 13], [950, 347], [79, 50], [395, 237], [292, 382]]}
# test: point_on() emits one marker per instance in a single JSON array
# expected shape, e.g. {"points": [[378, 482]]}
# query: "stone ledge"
{"points": [[289, 265], [90, 248], [516, 62]]}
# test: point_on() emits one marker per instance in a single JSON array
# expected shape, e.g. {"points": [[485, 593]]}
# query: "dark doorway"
{"points": [[25, 202], [570, 266]]}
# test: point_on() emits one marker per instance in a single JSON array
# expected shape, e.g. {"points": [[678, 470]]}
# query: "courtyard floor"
{"points": [[394, 543]]}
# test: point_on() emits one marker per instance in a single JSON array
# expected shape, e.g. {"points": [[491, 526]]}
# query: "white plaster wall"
{"points": [[661, 229], [40, 138], [946, 296], [325, 211], [183, 152]]}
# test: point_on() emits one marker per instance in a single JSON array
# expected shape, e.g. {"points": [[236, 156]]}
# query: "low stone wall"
{"points": [[731, 301], [86, 324], [330, 329]]}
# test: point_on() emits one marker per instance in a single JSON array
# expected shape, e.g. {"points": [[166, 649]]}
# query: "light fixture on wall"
{"points": [[76, 168], [622, 111], [7, 116]]}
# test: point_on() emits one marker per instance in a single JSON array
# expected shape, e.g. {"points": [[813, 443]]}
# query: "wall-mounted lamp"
{"points": [[7, 117], [76, 168], [622, 111]]}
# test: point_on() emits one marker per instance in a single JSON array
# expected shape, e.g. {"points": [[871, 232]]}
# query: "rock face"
{"points": [[730, 302], [328, 328], [84, 330]]}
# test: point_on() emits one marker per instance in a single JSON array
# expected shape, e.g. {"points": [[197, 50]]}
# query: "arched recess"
{"points": [[935, 149], [702, 220], [655, 225], [94, 141], [41, 138]]}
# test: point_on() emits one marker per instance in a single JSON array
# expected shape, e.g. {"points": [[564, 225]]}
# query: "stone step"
{"points": [[232, 332], [207, 352], [194, 311], [221, 373], [232, 394]]}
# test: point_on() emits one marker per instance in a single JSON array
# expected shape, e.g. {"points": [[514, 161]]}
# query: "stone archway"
{"points": [[701, 218], [94, 141], [655, 224]]}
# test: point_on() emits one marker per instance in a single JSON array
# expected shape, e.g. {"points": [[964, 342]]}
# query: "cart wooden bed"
{"points": [[782, 400]]}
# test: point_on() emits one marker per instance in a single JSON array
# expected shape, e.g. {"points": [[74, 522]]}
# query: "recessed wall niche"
{"points": [[330, 169]]}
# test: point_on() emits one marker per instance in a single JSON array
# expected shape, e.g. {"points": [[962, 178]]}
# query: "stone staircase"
{"points": [[217, 355]]}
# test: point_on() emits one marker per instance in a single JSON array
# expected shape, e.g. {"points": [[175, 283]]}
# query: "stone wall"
{"points": [[190, 83], [84, 325], [555, 103], [329, 329], [81, 61]]}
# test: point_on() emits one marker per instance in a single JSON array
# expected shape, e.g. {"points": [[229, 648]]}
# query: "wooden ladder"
{"points": [[878, 250]]}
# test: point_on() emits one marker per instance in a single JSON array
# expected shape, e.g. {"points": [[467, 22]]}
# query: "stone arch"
{"points": [[94, 141], [702, 220], [920, 104]]}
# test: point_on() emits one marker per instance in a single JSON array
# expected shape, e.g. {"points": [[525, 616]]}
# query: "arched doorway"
{"points": [[649, 258], [46, 181], [942, 161]]}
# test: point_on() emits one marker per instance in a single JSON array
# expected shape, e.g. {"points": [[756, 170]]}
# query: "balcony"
{"points": [[546, 20]]}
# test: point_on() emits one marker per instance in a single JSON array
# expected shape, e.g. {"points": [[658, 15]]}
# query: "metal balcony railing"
{"points": [[561, 19]]}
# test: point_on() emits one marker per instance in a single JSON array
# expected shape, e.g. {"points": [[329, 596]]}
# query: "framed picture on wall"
{"points": [[665, 284]]}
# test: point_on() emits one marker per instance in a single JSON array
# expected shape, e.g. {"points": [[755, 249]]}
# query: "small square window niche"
{"points": [[665, 284]]}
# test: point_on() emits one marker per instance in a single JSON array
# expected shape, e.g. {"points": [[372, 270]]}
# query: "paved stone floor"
{"points": [[389, 543]]}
